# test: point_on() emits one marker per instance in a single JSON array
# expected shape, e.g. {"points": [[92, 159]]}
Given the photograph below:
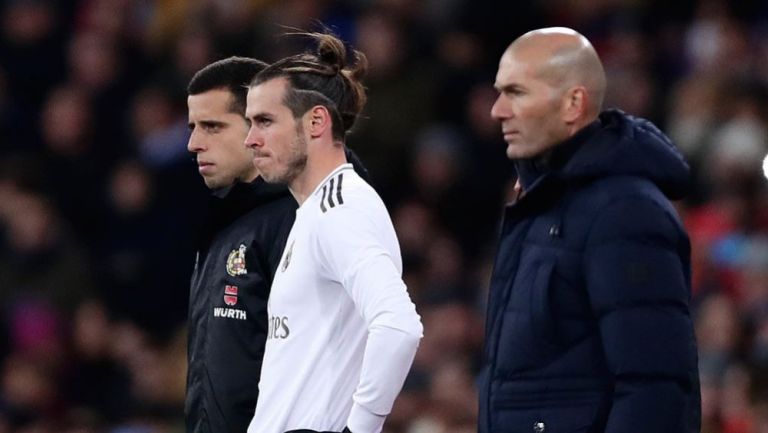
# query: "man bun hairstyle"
{"points": [[323, 78], [232, 74]]}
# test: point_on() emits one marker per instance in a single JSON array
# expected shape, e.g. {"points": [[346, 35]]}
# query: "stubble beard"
{"points": [[218, 182], [297, 160]]}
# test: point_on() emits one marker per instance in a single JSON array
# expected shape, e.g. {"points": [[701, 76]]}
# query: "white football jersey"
{"points": [[342, 328]]}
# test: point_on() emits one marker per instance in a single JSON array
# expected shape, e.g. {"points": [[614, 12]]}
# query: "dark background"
{"points": [[100, 202]]}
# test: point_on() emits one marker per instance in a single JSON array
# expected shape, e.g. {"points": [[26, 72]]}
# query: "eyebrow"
{"points": [[212, 123], [259, 115], [205, 123]]}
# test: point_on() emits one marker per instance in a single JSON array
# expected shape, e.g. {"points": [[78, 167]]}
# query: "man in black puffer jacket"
{"points": [[588, 326]]}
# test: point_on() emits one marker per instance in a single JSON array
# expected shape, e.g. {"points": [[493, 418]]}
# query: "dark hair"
{"points": [[232, 74], [322, 78]]}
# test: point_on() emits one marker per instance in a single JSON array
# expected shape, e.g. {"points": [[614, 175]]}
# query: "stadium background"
{"points": [[99, 200]]}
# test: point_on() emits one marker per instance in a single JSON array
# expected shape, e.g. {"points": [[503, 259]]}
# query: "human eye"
{"points": [[263, 121], [212, 127]]}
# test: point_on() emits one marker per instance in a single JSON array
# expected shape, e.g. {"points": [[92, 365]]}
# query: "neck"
{"points": [[531, 169], [581, 123], [319, 166]]}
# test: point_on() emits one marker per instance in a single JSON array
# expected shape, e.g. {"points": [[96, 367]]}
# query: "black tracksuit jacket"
{"points": [[241, 246]]}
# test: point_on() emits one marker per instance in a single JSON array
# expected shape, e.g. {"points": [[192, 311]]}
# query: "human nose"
{"points": [[499, 110], [253, 139], [195, 144]]}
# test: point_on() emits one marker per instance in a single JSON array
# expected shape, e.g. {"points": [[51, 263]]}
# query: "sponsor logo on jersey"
{"points": [[236, 262], [230, 295], [278, 328], [287, 259], [229, 313]]}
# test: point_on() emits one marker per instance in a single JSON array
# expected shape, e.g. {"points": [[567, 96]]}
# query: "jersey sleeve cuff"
{"points": [[363, 421]]}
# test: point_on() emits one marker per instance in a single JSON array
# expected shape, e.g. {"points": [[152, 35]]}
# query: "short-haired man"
{"points": [[241, 244], [589, 327], [343, 330]]}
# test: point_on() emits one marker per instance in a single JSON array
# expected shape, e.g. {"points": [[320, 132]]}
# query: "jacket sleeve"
{"points": [[363, 256], [636, 271]]}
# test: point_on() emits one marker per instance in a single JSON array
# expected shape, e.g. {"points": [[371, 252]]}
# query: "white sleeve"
{"points": [[355, 251]]}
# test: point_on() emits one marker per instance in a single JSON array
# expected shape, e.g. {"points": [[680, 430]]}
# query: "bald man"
{"points": [[589, 327]]}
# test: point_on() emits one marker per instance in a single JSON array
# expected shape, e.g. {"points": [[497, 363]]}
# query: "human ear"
{"points": [[574, 103], [319, 121]]}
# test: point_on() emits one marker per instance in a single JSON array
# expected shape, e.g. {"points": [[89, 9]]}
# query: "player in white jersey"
{"points": [[343, 330]]}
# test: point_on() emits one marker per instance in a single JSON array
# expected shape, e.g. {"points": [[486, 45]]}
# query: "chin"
{"points": [[215, 184], [271, 177], [521, 152], [515, 153]]}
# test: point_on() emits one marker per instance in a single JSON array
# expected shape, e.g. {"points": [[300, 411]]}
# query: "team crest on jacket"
{"points": [[230, 295], [287, 260], [236, 262]]}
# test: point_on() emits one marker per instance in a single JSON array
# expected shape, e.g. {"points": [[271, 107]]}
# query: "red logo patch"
{"points": [[230, 295]]}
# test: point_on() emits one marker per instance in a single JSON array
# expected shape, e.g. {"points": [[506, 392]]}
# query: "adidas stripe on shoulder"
{"points": [[332, 195]]}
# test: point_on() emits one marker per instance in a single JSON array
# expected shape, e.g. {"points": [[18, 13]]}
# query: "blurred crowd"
{"points": [[100, 202]]}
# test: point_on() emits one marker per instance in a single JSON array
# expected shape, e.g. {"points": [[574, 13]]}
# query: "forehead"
{"points": [[515, 68], [267, 96], [210, 103]]}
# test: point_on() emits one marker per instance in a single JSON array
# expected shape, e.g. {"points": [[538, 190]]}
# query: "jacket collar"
{"points": [[531, 171]]}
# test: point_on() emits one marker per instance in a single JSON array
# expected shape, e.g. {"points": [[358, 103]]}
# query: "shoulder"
{"points": [[604, 191], [263, 222], [350, 213], [628, 206], [271, 212], [599, 196], [346, 193]]}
